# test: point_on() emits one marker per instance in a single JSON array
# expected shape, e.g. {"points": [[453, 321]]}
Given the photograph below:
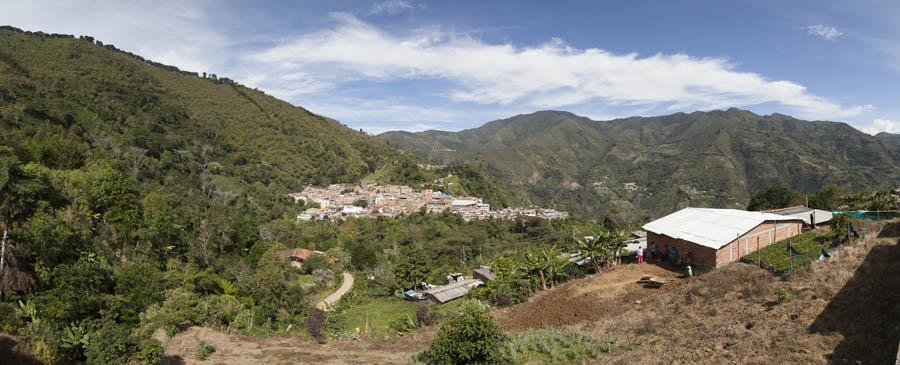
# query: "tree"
{"points": [[544, 264], [828, 198], [605, 247], [412, 268], [470, 337], [773, 198], [20, 192]]}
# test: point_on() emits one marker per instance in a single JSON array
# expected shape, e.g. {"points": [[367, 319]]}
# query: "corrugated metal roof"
{"points": [[709, 227], [452, 291], [486, 273], [821, 216]]}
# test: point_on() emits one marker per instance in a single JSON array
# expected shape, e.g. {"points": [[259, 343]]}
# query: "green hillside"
{"points": [[92, 99], [135, 198], [716, 158]]}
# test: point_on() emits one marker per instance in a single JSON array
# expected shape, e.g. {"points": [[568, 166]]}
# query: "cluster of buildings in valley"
{"points": [[340, 201]]}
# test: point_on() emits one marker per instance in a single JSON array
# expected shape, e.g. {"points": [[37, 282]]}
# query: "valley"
{"points": [[152, 215], [636, 167]]}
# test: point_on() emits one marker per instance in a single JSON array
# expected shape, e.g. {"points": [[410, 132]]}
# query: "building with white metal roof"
{"points": [[714, 237], [809, 216]]}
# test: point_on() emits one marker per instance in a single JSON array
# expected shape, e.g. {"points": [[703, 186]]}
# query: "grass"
{"points": [[381, 311], [553, 346], [775, 257], [306, 281], [204, 349]]}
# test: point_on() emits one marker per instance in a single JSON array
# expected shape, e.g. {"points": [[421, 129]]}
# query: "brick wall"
{"points": [[702, 255]]}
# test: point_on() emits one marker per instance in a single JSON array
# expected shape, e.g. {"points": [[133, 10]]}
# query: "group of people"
{"points": [[667, 255]]}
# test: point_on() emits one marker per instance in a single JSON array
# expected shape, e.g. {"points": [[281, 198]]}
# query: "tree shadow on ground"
{"points": [[11, 354], [866, 311], [890, 230], [171, 360]]}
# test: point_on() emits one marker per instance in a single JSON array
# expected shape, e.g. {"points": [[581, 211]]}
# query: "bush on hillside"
{"points": [[315, 324], [469, 337]]}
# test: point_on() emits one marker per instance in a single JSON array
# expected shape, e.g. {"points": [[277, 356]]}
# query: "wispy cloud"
{"points": [[549, 75], [825, 31], [882, 125], [395, 6]]}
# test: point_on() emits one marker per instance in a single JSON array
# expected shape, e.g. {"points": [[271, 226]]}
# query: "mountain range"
{"points": [[65, 101], [639, 166]]}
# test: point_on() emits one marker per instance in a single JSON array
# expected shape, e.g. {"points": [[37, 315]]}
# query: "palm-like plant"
{"points": [[543, 263], [603, 248]]}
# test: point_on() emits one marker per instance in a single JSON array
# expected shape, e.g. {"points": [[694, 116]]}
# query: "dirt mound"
{"points": [[234, 349], [846, 310], [587, 299]]}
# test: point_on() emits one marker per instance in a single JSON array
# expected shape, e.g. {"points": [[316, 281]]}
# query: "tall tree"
{"points": [[773, 198], [20, 191]]}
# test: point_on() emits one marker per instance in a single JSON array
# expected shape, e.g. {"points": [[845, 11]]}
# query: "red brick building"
{"points": [[711, 238]]}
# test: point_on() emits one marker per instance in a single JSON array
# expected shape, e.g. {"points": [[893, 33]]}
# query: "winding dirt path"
{"points": [[332, 298]]}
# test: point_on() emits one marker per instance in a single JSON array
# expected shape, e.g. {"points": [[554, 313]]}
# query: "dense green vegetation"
{"points": [[808, 247], [829, 198], [469, 337], [713, 159], [137, 199]]}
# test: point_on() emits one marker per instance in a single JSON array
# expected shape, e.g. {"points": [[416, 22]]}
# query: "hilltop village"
{"points": [[340, 201]]}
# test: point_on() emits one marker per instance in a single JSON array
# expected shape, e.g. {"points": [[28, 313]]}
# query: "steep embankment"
{"points": [[840, 311], [716, 158]]}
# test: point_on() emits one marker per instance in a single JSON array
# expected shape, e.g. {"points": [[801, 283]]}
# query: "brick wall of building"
{"points": [[702, 255]]}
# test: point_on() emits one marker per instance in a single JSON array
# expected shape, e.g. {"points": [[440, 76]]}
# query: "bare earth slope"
{"points": [[842, 311]]}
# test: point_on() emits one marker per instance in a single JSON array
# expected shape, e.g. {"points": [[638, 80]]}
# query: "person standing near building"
{"points": [[640, 255]]}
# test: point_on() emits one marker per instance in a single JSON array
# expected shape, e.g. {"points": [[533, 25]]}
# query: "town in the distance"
{"points": [[340, 201]]}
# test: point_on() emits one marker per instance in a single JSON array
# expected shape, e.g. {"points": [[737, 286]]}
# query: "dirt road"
{"points": [[346, 285]]}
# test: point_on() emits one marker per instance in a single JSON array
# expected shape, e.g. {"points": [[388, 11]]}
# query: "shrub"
{"points": [[315, 324], [111, 344], [424, 316], [404, 325], [469, 337], [180, 308], [783, 295], [550, 346], [150, 352], [10, 318], [204, 349]]}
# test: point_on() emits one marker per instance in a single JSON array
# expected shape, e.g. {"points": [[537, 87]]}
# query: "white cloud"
{"points": [[543, 76], [828, 32], [356, 72], [395, 6], [882, 125], [172, 32]]}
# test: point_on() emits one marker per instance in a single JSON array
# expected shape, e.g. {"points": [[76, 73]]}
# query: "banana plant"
{"points": [[30, 310], [74, 337]]}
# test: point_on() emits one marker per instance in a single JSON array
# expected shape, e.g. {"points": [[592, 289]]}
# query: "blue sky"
{"points": [[414, 65]]}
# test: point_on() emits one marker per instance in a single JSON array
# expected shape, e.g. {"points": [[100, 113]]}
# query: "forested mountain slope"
{"points": [[716, 158], [135, 197], [90, 97]]}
